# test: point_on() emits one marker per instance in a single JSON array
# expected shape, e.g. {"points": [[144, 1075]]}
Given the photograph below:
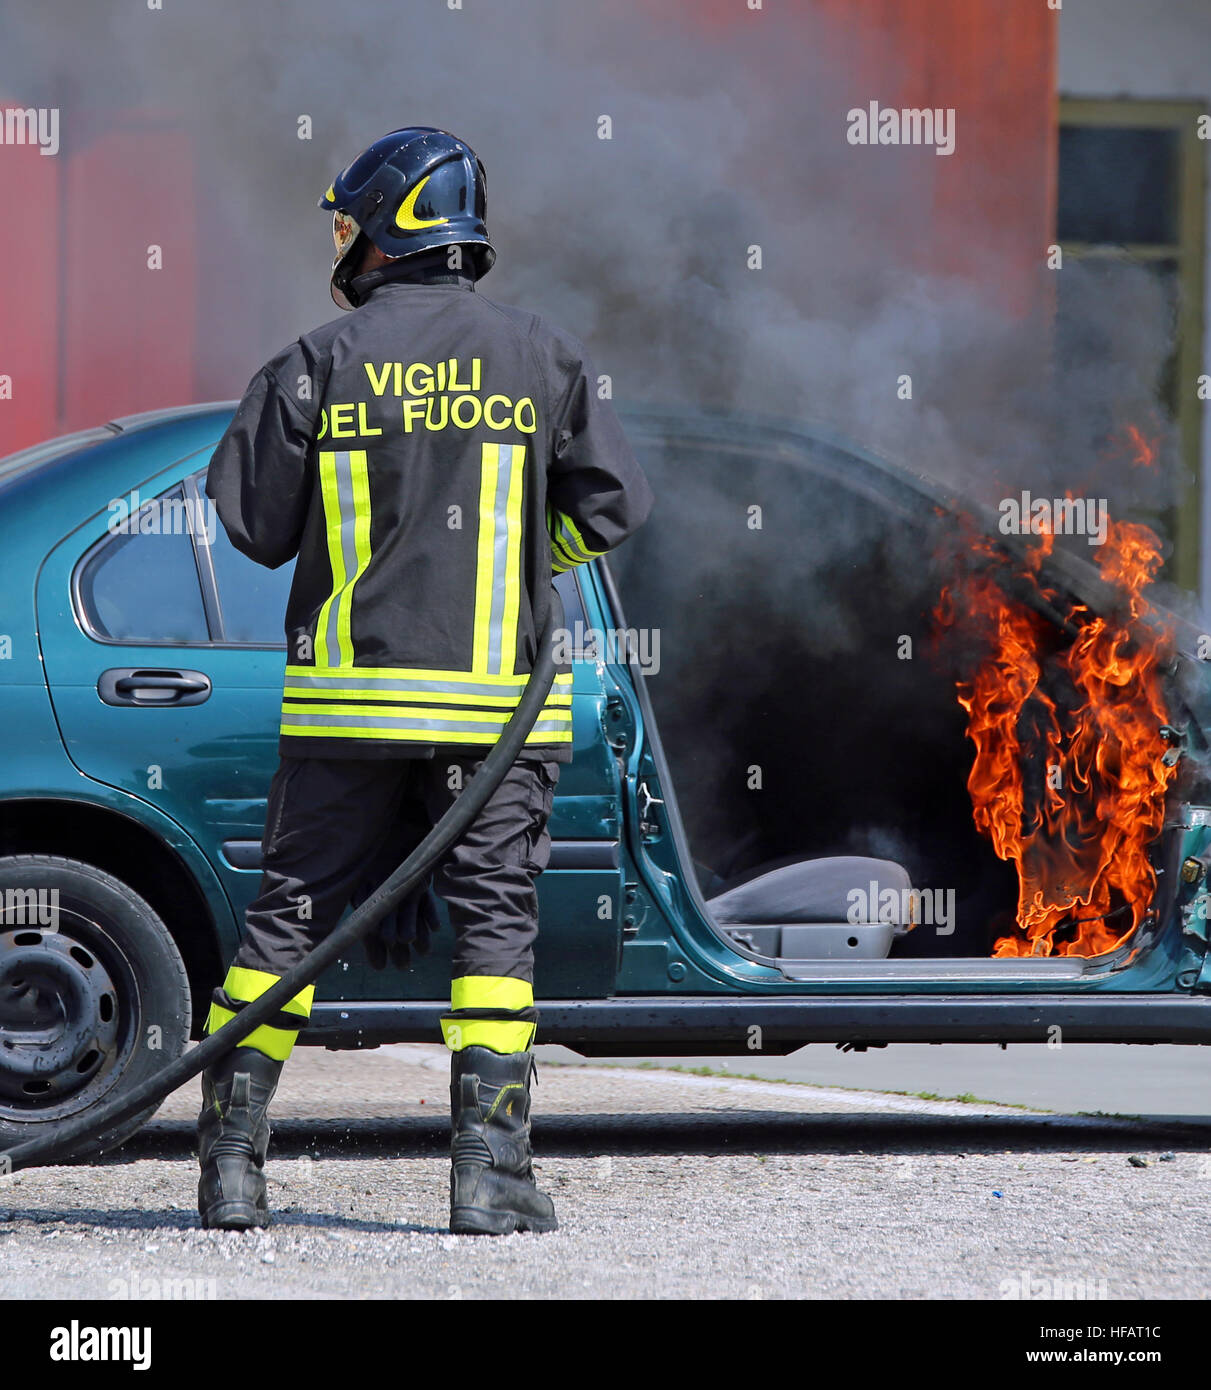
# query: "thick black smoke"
{"points": [[780, 646]]}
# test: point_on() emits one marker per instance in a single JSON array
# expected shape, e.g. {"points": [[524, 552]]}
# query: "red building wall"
{"points": [[30, 294], [88, 331], [986, 212], [989, 211]]}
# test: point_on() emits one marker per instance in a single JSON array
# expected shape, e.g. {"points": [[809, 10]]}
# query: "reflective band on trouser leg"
{"points": [[493, 1011], [242, 986]]}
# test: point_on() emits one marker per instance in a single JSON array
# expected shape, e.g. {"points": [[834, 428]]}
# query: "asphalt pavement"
{"points": [[1091, 1078], [667, 1185]]}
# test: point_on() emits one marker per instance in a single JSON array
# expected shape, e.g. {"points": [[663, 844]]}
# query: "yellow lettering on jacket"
{"points": [[489, 420], [418, 379], [340, 417], [379, 384], [437, 396], [452, 381]]}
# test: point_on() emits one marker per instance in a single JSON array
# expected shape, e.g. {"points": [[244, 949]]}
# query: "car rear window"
{"points": [[142, 585]]}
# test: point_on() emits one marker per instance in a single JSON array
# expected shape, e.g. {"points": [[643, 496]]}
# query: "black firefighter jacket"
{"points": [[432, 459]]}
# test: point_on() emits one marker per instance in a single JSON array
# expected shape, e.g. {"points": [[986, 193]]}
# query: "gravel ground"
{"points": [[667, 1185]]}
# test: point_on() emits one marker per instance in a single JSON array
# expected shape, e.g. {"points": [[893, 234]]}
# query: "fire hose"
{"points": [[414, 869]]}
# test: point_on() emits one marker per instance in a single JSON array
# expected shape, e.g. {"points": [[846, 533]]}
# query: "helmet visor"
{"points": [[345, 232]]}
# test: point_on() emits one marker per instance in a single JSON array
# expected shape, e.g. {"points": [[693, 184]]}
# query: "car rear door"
{"points": [[148, 693]]}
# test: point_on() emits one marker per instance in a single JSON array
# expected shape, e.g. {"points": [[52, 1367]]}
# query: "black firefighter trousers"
{"points": [[332, 824], [336, 828]]}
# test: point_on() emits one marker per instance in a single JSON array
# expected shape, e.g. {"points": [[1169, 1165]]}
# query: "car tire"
{"points": [[94, 998]]}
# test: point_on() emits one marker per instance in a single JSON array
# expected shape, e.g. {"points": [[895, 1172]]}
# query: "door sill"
{"points": [[968, 969]]}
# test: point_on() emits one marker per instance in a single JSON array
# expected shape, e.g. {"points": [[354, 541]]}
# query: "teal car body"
{"points": [[140, 681]]}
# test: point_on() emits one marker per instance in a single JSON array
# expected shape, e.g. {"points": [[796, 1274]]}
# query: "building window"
{"points": [[1130, 201]]}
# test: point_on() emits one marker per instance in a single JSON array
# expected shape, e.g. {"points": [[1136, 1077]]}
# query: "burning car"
{"points": [[940, 782]]}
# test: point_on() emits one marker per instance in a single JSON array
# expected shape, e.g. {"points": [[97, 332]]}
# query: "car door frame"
{"points": [[701, 957]]}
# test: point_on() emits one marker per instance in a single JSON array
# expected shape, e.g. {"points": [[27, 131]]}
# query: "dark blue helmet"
{"points": [[416, 189]]}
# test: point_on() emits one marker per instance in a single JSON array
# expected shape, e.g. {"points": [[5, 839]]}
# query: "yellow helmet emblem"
{"points": [[406, 218]]}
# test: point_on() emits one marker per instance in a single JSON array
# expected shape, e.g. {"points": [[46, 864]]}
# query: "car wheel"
{"points": [[94, 998]]}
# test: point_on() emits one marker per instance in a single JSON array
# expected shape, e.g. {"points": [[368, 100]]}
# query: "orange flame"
{"points": [[1068, 780], [1143, 450]]}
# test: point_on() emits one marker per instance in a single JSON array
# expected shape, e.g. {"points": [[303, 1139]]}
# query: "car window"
{"points": [[253, 598], [141, 585]]}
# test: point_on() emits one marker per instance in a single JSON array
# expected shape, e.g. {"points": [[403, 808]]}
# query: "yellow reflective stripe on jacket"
{"points": [[397, 688], [295, 691], [421, 716], [539, 735], [498, 558], [352, 722], [334, 698], [568, 546], [412, 677], [396, 704], [491, 992], [511, 605], [345, 490]]}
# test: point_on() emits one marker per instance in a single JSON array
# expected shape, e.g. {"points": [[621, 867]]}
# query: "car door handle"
{"points": [[125, 685]]}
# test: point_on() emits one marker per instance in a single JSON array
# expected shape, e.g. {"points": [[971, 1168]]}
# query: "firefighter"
{"points": [[432, 458]]}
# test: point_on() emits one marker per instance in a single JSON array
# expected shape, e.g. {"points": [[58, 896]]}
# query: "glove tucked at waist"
{"points": [[408, 926]]}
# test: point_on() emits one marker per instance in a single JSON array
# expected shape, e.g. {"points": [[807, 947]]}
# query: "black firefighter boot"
{"points": [[233, 1139], [492, 1188]]}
